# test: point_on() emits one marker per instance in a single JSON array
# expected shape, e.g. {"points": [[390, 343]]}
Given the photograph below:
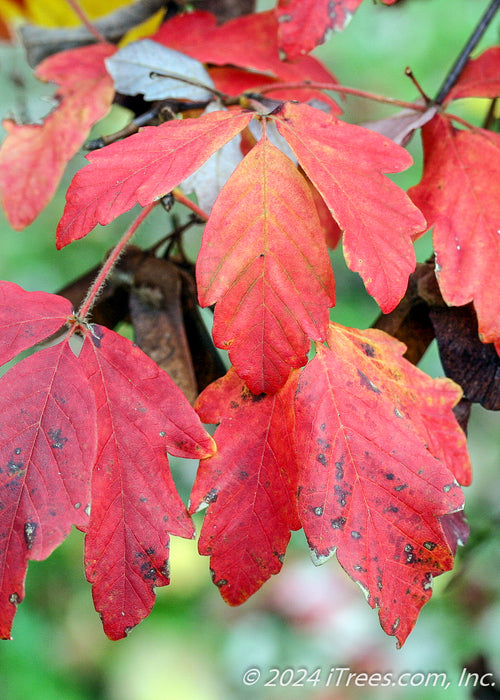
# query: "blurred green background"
{"points": [[193, 646]]}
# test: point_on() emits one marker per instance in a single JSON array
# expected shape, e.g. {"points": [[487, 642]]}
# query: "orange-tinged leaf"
{"points": [[369, 485], [33, 157], [26, 318], [47, 448], [425, 403], [480, 78], [268, 271], [303, 24], [346, 164], [141, 414], [458, 194], [249, 485], [250, 42], [142, 169]]}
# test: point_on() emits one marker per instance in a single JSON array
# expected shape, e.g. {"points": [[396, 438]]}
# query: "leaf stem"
{"points": [[461, 121], [458, 66], [110, 262], [343, 89], [182, 199], [78, 10]]}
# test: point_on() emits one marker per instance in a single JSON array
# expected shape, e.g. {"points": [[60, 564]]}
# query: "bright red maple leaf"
{"points": [[142, 169], [249, 485], [458, 194], [270, 273], [107, 416], [303, 24], [346, 164], [33, 157], [141, 414], [370, 487]]}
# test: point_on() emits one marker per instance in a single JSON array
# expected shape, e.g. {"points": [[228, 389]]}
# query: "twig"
{"points": [[457, 68], [334, 87]]}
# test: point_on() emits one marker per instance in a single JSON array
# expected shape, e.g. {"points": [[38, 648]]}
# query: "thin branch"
{"points": [[341, 89], [461, 121], [457, 68]]}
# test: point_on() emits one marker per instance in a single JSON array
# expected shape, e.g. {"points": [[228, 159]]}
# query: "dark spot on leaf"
{"points": [[150, 574], [14, 467], [18, 451], [395, 625], [280, 557], [243, 475], [258, 397], [355, 535], [379, 582], [14, 598], [391, 509], [211, 496], [430, 545], [318, 510], [398, 413], [58, 441], [358, 567], [234, 404], [368, 349], [400, 487], [220, 582], [322, 459], [143, 499], [339, 466], [410, 556], [338, 523], [341, 495], [322, 426], [30, 529], [165, 569], [150, 551], [367, 383], [389, 476]]}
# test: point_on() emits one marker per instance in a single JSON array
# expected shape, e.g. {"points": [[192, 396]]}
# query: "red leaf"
{"points": [[269, 272], [249, 485], [369, 484], [250, 42], [135, 507], [303, 24], [142, 168], [480, 78], [47, 448], [346, 164], [33, 157], [458, 194], [26, 318]]}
